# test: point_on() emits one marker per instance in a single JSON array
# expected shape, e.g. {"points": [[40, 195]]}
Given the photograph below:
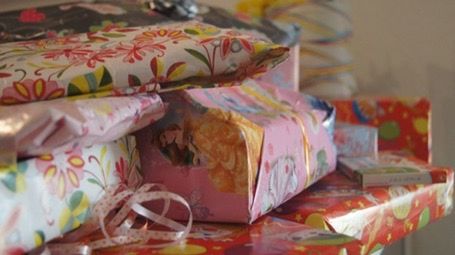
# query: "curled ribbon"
{"points": [[121, 208]]}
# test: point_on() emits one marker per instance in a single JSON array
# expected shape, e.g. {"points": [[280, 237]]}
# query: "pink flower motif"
{"points": [[100, 56], [63, 174], [31, 16], [29, 90], [132, 52], [76, 54]]}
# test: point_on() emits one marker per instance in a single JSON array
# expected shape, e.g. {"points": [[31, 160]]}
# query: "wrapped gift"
{"points": [[128, 60], [377, 216], [253, 146], [82, 17], [267, 236], [47, 196], [387, 169], [65, 124], [403, 123], [355, 140]]}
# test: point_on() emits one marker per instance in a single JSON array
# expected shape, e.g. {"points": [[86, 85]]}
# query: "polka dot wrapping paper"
{"points": [[377, 216]]}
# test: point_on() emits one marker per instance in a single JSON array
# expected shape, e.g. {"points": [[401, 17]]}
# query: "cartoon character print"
{"points": [[177, 145], [283, 183]]}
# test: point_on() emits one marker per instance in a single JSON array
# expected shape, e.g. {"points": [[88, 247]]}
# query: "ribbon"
{"points": [[122, 209]]}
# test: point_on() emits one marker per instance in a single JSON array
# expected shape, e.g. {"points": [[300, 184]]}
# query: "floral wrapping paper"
{"points": [[403, 123], [355, 140], [47, 196], [129, 60], [266, 237], [103, 15], [376, 216], [80, 17], [253, 146], [66, 124]]}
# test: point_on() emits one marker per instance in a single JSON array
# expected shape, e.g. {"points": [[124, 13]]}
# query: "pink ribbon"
{"points": [[122, 227]]}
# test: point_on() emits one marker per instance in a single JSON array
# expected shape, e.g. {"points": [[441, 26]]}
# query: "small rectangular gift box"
{"points": [[355, 140], [267, 236], [387, 169], [47, 196], [130, 60], [377, 216], [251, 147], [403, 123]]}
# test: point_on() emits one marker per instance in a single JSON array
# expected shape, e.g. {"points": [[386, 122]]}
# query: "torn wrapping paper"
{"points": [[47, 196], [65, 124], [403, 123], [267, 236], [376, 216], [127, 60], [387, 169], [355, 140], [253, 146]]}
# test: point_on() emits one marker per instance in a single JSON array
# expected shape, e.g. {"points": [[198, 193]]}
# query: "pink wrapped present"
{"points": [[250, 147], [355, 140], [65, 124]]}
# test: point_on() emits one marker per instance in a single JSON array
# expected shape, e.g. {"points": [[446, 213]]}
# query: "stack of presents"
{"points": [[166, 127]]}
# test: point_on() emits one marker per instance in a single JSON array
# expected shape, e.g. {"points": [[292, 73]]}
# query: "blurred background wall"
{"points": [[407, 47]]}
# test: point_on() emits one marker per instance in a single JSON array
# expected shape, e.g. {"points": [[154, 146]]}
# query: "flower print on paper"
{"points": [[76, 212], [31, 90], [13, 177], [171, 74], [62, 173], [139, 56], [128, 169], [96, 81]]}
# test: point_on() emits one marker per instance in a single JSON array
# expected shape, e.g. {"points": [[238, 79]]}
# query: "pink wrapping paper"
{"points": [[64, 124], [123, 60], [250, 147]]}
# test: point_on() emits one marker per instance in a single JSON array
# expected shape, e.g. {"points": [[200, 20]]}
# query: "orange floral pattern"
{"points": [[232, 146]]}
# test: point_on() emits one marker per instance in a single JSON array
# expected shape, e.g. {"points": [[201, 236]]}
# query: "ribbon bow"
{"points": [[121, 208]]}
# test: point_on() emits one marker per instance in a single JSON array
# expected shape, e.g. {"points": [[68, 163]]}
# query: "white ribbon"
{"points": [[122, 227]]}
